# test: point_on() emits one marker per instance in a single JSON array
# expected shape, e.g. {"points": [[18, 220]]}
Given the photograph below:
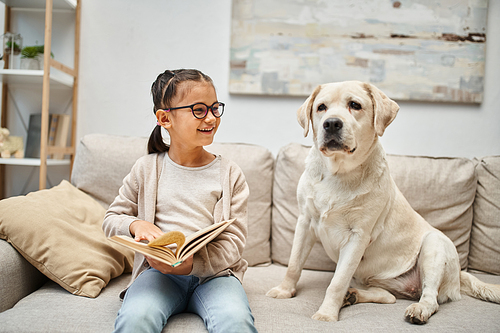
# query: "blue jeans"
{"points": [[153, 297]]}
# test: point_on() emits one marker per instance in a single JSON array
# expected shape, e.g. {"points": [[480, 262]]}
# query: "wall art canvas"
{"points": [[425, 50]]}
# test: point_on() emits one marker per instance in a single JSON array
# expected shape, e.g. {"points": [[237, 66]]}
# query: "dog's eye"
{"points": [[354, 105], [322, 107]]}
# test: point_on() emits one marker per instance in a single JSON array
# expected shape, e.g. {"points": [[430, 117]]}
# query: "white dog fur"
{"points": [[349, 201]]}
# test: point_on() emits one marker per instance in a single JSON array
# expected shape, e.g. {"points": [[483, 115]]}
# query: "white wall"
{"points": [[125, 44]]}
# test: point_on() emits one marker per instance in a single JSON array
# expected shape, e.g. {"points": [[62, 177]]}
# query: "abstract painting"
{"points": [[425, 50]]}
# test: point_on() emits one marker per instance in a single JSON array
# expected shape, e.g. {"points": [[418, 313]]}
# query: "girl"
{"points": [[183, 187]]}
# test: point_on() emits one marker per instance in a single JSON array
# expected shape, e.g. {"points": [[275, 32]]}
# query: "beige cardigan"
{"points": [[137, 200]]}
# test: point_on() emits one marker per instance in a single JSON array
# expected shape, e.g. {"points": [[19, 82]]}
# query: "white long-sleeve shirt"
{"points": [[187, 196]]}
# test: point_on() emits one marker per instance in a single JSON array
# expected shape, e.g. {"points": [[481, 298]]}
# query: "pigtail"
{"points": [[156, 143]]}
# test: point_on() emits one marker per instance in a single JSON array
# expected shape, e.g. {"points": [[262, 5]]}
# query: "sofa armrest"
{"points": [[18, 277]]}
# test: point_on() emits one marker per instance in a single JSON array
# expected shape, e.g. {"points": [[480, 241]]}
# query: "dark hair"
{"points": [[164, 89]]}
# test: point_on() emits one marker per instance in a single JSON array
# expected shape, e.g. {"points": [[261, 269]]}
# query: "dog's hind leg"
{"points": [[439, 271]]}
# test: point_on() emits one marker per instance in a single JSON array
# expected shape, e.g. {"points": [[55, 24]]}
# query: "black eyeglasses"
{"points": [[200, 110]]}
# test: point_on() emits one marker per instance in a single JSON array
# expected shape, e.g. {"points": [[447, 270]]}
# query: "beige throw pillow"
{"points": [[58, 231]]}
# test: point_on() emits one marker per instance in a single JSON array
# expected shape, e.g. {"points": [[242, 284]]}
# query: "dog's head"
{"points": [[346, 117]]}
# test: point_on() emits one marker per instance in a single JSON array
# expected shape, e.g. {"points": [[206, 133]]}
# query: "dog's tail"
{"points": [[476, 288]]}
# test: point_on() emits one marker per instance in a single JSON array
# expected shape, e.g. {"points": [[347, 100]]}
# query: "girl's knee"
{"points": [[234, 320], [139, 319]]}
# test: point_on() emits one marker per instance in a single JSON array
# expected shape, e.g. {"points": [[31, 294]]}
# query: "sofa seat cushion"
{"points": [[294, 314], [485, 235], [442, 190], [51, 309], [58, 231]]}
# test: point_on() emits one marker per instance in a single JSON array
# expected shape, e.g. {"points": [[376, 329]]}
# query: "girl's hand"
{"points": [[143, 230], [183, 269]]}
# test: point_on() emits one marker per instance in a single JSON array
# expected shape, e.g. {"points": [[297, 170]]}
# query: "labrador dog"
{"points": [[349, 201]]}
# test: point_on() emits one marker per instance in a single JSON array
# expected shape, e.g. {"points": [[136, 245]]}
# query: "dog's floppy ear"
{"points": [[304, 113], [384, 109]]}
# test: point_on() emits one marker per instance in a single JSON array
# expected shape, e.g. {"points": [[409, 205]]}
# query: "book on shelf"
{"points": [[61, 136], [34, 135], [58, 134], [52, 129], [185, 246]]}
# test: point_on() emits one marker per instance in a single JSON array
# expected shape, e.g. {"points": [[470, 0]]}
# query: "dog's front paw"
{"points": [[324, 317], [280, 292], [417, 314]]}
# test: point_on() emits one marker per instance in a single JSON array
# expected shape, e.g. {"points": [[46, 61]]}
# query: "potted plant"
{"points": [[32, 57], [12, 43]]}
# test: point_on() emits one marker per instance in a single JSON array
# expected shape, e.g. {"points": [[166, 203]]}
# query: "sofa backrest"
{"points": [[485, 235], [257, 163], [102, 161], [442, 190]]}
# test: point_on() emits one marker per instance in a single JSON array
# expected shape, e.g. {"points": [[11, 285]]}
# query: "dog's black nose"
{"points": [[333, 125]]}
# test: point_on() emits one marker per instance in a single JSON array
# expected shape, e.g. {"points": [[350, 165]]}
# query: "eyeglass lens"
{"points": [[201, 110]]}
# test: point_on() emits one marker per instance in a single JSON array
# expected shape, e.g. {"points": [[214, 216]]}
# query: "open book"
{"points": [[186, 246]]}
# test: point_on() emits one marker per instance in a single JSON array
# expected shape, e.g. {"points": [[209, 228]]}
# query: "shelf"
{"points": [[35, 77], [40, 4], [32, 161], [61, 78]]}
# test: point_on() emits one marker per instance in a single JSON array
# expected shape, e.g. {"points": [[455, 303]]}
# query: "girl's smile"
{"points": [[206, 130]]}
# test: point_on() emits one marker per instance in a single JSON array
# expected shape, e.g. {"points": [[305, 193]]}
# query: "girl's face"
{"points": [[184, 129]]}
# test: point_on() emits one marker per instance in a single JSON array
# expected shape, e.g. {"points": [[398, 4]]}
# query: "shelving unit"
{"points": [[54, 75]]}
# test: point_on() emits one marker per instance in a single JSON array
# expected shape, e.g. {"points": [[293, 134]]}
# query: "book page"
{"points": [[201, 238], [164, 255]]}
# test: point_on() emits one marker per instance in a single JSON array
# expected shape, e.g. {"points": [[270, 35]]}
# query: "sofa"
{"points": [[459, 196]]}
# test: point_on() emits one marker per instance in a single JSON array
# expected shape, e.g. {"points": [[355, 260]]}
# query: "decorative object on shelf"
{"points": [[10, 145], [12, 45], [32, 57]]}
